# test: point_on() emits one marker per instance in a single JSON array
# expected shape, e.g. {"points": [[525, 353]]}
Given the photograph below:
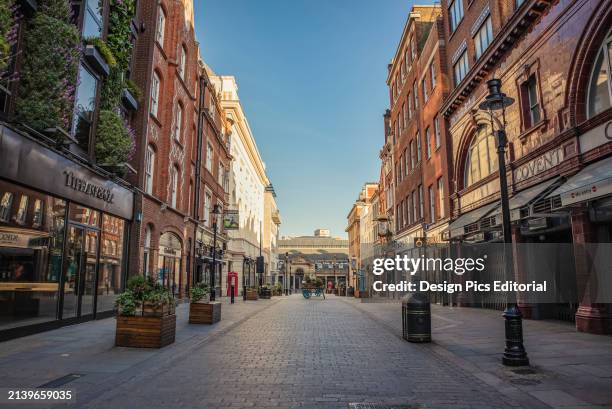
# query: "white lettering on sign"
{"points": [[538, 165]]}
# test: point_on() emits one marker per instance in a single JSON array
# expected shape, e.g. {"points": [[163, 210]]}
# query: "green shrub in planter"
{"points": [[114, 140], [199, 292], [141, 291]]}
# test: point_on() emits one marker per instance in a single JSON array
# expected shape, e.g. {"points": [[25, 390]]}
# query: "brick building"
{"points": [[167, 67], [552, 58], [416, 135]]}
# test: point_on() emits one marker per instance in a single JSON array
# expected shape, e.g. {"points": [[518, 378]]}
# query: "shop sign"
{"points": [[538, 165], [231, 220], [81, 185], [29, 163], [588, 192], [600, 135], [18, 239]]}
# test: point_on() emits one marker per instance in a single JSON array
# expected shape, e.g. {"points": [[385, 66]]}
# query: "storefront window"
{"points": [[111, 262], [169, 263], [30, 256]]}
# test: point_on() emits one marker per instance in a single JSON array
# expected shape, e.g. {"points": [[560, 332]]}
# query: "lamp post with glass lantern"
{"points": [[216, 212], [514, 354]]}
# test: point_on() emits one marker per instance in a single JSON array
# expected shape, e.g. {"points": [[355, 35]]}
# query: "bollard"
{"points": [[416, 318], [244, 293], [232, 294]]}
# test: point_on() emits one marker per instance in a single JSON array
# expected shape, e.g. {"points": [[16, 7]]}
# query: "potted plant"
{"points": [[201, 309], [145, 315], [251, 294], [265, 292], [277, 289]]}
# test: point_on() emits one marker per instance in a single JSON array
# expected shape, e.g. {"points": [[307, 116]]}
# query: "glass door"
{"points": [[80, 272]]}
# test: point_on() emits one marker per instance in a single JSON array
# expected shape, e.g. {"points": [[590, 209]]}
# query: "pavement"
{"points": [[289, 352]]}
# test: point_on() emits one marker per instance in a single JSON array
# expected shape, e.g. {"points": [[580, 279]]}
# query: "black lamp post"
{"points": [[514, 354], [286, 271], [216, 212], [244, 286]]}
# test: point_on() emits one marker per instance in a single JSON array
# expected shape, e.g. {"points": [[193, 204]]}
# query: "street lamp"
{"points": [[216, 212], [514, 354], [286, 271]]}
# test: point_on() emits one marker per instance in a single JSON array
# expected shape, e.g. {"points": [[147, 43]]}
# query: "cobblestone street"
{"points": [[288, 352]]}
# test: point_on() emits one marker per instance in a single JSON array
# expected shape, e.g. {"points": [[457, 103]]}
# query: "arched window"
{"points": [[481, 158], [600, 83], [155, 85], [161, 27]]}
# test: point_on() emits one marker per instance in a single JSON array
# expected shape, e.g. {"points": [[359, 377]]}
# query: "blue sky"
{"points": [[311, 77]]}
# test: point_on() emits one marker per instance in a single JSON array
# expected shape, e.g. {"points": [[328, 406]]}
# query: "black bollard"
{"points": [[232, 294]]}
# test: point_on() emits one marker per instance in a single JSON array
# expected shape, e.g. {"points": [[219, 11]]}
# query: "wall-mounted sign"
{"points": [[591, 191], [597, 136], [34, 165], [538, 165], [231, 220]]}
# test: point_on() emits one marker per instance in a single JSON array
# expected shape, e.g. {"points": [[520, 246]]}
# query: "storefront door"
{"points": [[80, 272]]}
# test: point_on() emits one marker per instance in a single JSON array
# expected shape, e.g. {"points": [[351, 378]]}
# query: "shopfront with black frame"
{"points": [[63, 238]]}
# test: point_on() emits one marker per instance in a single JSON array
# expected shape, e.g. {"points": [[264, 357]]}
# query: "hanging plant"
{"points": [[6, 26], [120, 44], [115, 142], [104, 50], [49, 72]]}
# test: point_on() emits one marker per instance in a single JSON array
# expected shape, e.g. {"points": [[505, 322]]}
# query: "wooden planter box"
{"points": [[204, 312], [252, 295], [266, 294], [145, 332]]}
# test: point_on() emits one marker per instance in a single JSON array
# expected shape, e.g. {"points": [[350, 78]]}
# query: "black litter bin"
{"points": [[416, 318]]}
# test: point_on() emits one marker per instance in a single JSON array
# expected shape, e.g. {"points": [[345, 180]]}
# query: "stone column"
{"points": [[590, 317]]}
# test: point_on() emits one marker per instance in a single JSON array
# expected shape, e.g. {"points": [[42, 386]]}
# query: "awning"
{"points": [[590, 183], [525, 197], [456, 227]]}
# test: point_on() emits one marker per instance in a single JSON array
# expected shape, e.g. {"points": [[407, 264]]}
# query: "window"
{"points": [[155, 84], [173, 186], [519, 2], [432, 72], [421, 202], [600, 84], [401, 166], [415, 207], [461, 68], [5, 206], [427, 144], [409, 106], [161, 27], [92, 20], [432, 205], [182, 60], [456, 13], [437, 132], [441, 211], [178, 123], [481, 158], [412, 155], [37, 216], [22, 211], [424, 86], [412, 48], [418, 147], [415, 93], [405, 109], [401, 119], [207, 201], [406, 154], [398, 219], [221, 174], [85, 106], [147, 251], [209, 157], [407, 61], [483, 37], [531, 105], [149, 169]]}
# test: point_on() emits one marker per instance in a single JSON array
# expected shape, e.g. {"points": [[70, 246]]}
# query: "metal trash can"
{"points": [[416, 318]]}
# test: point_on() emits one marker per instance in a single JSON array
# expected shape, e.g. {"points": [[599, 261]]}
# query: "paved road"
{"points": [[298, 353]]}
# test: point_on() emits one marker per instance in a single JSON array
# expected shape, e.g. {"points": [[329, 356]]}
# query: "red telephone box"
{"points": [[232, 280]]}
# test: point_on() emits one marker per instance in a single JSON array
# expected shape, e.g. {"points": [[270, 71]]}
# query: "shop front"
{"points": [[63, 233]]}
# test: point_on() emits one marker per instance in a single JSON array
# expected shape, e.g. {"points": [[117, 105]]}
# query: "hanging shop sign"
{"points": [[231, 220]]}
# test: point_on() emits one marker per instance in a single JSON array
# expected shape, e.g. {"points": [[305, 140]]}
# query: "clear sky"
{"points": [[312, 81]]}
